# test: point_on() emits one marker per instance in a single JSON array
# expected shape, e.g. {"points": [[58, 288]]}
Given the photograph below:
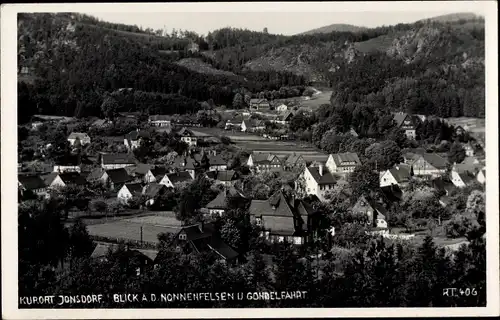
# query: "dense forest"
{"points": [[68, 61]]}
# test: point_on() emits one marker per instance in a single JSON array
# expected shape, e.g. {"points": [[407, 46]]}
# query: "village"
{"points": [[131, 200]]}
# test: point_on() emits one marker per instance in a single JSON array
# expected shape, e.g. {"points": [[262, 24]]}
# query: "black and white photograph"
{"points": [[276, 156]]}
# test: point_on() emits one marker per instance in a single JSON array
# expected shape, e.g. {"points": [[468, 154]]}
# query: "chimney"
{"points": [[320, 169]]}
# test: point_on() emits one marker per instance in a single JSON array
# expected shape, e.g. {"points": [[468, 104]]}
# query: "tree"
{"points": [[383, 155], [363, 180], [109, 107], [79, 240], [238, 101], [456, 153]]}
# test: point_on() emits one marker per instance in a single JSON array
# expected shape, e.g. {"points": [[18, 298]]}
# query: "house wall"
{"points": [[250, 161], [116, 166], [410, 134], [381, 223], [330, 164], [149, 177], [219, 168], [124, 195], [160, 123], [192, 141], [481, 178], [220, 212], [311, 185], [243, 127], [423, 168], [57, 183], [67, 169], [386, 179], [166, 182], [456, 180]]}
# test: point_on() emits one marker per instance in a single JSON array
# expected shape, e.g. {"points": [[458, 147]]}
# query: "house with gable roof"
{"points": [[407, 123], [202, 237], [463, 175], [374, 210], [134, 138], [264, 161], [32, 183], [399, 175], [341, 163], [80, 136], [257, 104], [188, 136], [252, 125], [172, 180], [59, 180], [225, 177], [117, 160], [142, 172], [282, 218], [219, 204], [115, 178], [129, 190], [159, 120], [294, 162], [318, 181], [428, 164]]}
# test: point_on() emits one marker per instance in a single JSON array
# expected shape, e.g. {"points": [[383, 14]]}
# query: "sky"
{"points": [[286, 23]]}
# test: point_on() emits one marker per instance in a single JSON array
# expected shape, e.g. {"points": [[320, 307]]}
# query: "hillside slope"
{"points": [[338, 27]]}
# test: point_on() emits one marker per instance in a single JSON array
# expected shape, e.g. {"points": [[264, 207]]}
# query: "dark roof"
{"points": [[159, 172], [213, 160], [279, 225], [470, 161], [263, 158], [435, 160], [392, 193], [293, 159], [31, 182], [442, 185], [153, 189], [134, 188], [401, 172], [118, 158], [72, 178], [219, 202], [149, 253], [177, 177], [287, 116], [141, 168], [467, 177], [159, 117], [223, 175], [343, 159], [222, 248], [99, 122], [194, 232], [399, 118], [464, 167], [326, 178], [185, 163], [95, 174], [118, 176], [102, 249]]}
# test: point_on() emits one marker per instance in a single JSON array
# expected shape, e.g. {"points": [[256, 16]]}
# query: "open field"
{"points": [[470, 124], [130, 229], [316, 100]]}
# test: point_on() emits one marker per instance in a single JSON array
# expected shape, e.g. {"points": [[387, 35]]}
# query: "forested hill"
{"points": [[67, 63]]}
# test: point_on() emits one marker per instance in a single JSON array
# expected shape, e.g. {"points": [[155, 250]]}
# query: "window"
{"points": [[182, 236], [258, 221]]}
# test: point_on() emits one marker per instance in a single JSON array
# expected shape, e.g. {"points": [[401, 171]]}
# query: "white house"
{"points": [[188, 137], [398, 175], [117, 160], [83, 137], [171, 180], [128, 191], [264, 161], [342, 162], [252, 125], [375, 212], [428, 164], [407, 123], [134, 138], [318, 181], [462, 179], [159, 121], [68, 168], [282, 108], [481, 176]]}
